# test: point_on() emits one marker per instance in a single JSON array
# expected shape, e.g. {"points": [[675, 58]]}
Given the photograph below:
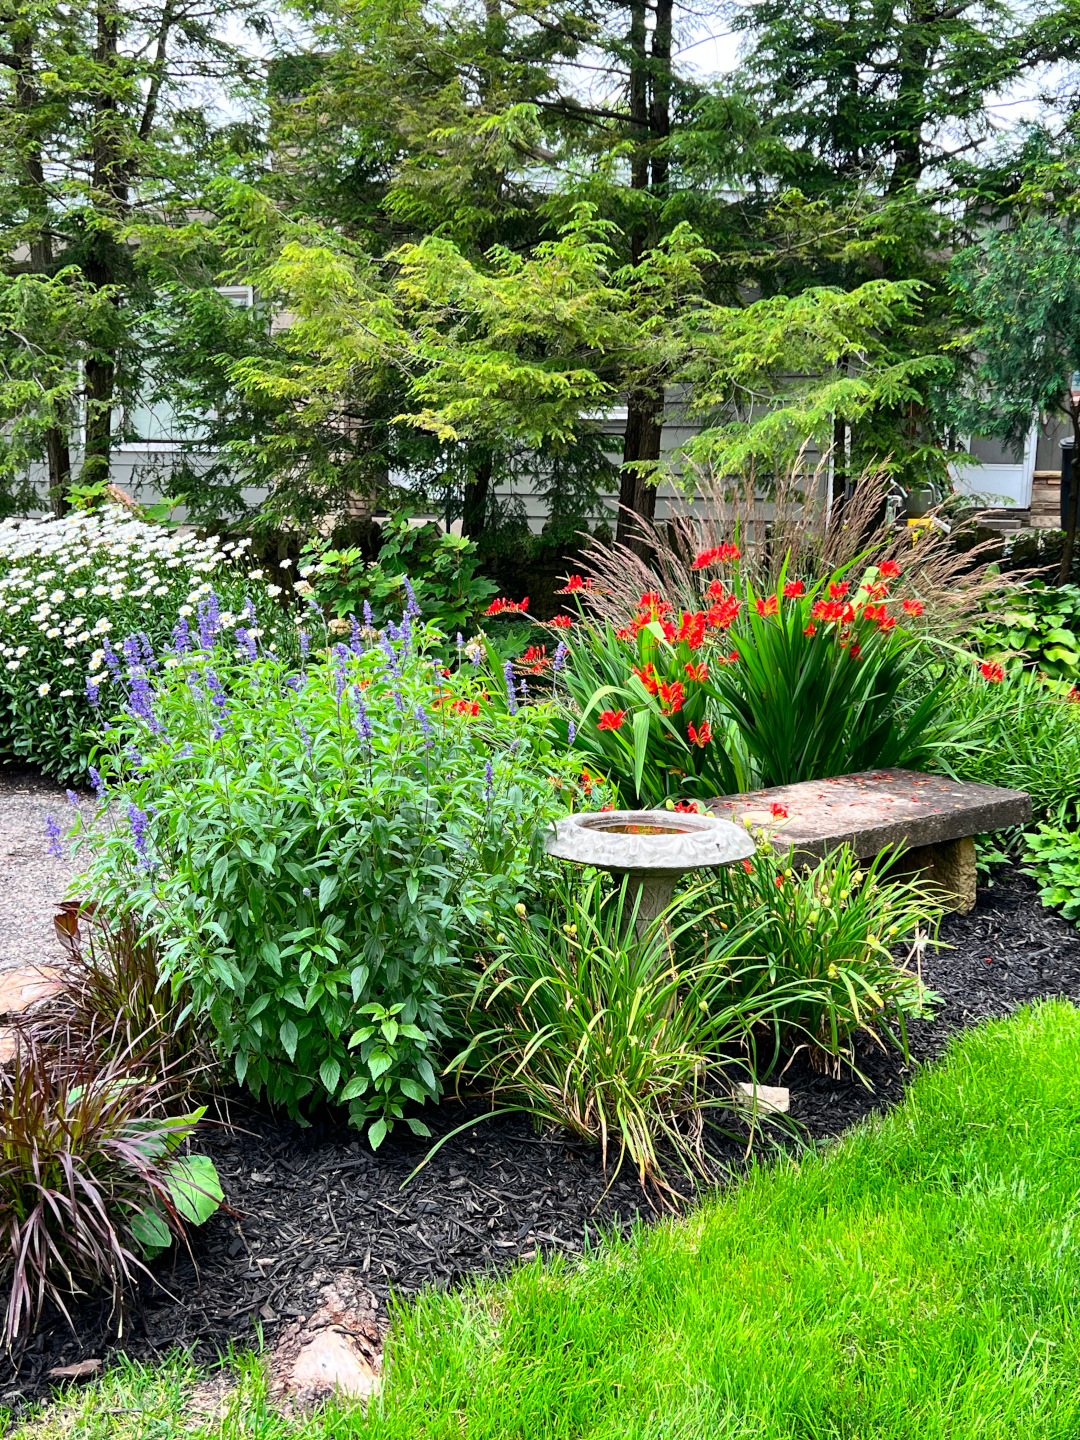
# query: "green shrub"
{"points": [[1052, 857], [617, 1036], [312, 851], [1034, 625], [1020, 733], [91, 1178], [826, 936], [440, 569], [755, 690], [67, 587]]}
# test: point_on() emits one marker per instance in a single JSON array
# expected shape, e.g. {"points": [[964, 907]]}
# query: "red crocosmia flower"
{"points": [[886, 623], [779, 812], [779, 881], [587, 782], [728, 659], [748, 867], [837, 592], [671, 697], [878, 591], [669, 631], [913, 607], [991, 671], [560, 622], [692, 629], [647, 678], [701, 735], [833, 611], [625, 633], [723, 614], [688, 807], [793, 589], [810, 629], [471, 708], [855, 651], [1073, 695], [889, 570], [873, 612], [700, 673], [611, 719], [536, 657], [719, 555], [573, 582], [502, 606], [715, 591], [650, 600], [608, 806], [767, 607]]}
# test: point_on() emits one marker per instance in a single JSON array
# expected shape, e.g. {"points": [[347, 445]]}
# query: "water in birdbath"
{"points": [[617, 829]]}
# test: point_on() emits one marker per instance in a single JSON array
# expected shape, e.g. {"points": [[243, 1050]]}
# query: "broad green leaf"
{"points": [[194, 1187], [289, 1035]]}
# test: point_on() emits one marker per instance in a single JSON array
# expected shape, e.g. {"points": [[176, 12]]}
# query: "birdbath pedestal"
{"points": [[654, 848]]}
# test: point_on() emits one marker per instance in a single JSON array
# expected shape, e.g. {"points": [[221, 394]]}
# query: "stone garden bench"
{"points": [[934, 818]]}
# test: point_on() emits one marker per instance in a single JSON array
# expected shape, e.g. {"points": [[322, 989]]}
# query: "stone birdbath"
{"points": [[655, 848]]}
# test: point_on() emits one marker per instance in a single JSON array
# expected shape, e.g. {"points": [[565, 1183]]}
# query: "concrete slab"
{"points": [[873, 809]]}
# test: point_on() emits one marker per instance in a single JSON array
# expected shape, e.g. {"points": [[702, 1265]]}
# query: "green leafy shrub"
{"points": [[440, 569], [616, 1036], [1020, 733], [67, 586], [312, 851], [753, 689], [1052, 857], [826, 936], [92, 1181], [1034, 625]]}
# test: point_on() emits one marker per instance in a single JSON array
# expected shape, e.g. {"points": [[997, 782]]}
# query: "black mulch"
{"points": [[317, 1200]]}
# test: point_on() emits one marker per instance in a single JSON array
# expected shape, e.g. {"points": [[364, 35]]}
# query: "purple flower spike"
{"points": [[559, 658], [181, 636], [356, 640], [139, 820], [369, 618], [246, 642], [209, 621], [571, 733], [112, 660], [141, 701], [72, 798], [52, 830], [425, 726], [511, 689], [489, 782], [97, 782], [306, 738], [412, 609], [360, 719], [93, 688], [217, 696], [305, 644]]}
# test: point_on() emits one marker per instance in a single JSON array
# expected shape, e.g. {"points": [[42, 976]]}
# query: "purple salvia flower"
{"points": [[341, 675], [399, 703], [141, 701], [412, 609], [460, 643], [181, 636], [360, 719], [209, 621], [489, 782], [391, 656], [52, 830], [356, 640], [306, 738], [112, 660], [524, 691], [149, 659], [369, 618], [72, 798], [305, 644], [558, 660], [295, 682], [93, 688], [97, 782], [392, 633], [246, 642], [139, 820], [425, 726], [571, 733], [249, 611], [187, 753], [132, 652], [217, 696], [511, 691]]}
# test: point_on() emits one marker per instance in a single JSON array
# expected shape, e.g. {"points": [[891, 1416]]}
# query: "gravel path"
{"points": [[30, 879]]}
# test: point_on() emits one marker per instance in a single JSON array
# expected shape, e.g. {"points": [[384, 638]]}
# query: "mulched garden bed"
{"points": [[316, 1201]]}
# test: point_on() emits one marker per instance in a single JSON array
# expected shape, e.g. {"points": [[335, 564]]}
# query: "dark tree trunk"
{"points": [[477, 490], [644, 423]]}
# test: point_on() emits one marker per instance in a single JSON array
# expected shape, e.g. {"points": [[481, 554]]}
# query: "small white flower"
{"points": [[57, 597], [187, 610], [173, 563], [70, 642], [228, 620], [285, 564], [161, 590], [22, 650], [102, 626], [100, 590], [66, 694], [68, 660], [79, 592], [171, 662], [256, 574], [83, 636], [304, 571], [12, 665], [273, 590], [303, 587], [44, 688]]}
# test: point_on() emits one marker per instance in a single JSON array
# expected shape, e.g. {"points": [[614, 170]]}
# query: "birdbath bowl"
{"points": [[655, 848]]}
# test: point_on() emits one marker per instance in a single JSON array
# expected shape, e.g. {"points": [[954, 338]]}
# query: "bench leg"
{"points": [[951, 867]]}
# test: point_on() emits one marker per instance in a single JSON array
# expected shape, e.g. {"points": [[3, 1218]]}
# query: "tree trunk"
{"points": [[474, 509], [1067, 549], [637, 497]]}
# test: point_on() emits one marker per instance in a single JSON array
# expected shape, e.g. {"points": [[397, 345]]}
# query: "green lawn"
{"points": [[919, 1279]]}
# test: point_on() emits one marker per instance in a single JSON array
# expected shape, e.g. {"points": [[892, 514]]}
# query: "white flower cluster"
{"points": [[66, 584]]}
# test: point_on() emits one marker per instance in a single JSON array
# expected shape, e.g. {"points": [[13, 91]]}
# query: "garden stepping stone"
{"points": [[25, 986], [933, 817]]}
